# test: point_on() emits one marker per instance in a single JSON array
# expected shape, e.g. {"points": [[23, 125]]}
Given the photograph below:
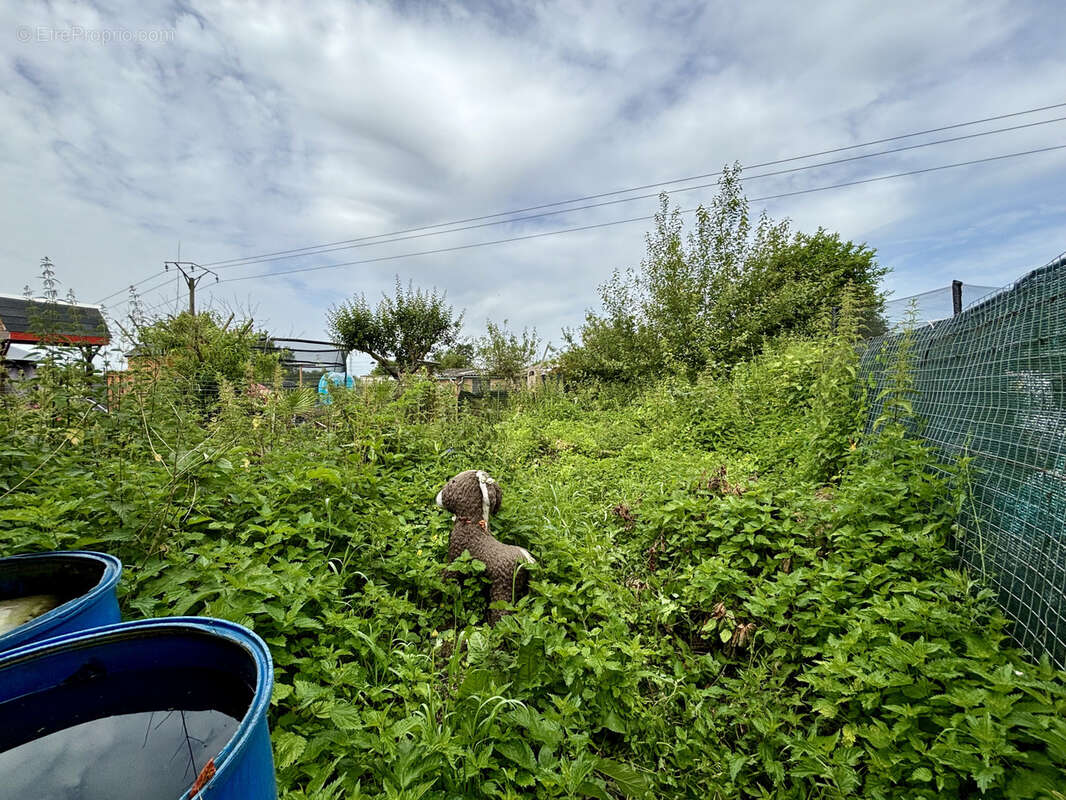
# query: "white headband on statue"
{"points": [[483, 481]]}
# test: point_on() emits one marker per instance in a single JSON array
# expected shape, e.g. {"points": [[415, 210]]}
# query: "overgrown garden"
{"points": [[738, 593], [741, 590]]}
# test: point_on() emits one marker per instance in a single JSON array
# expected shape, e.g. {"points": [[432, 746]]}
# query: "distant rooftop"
{"points": [[37, 320]]}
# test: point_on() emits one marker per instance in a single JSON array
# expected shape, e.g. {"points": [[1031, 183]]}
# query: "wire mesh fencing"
{"points": [[305, 361], [991, 386], [933, 306]]}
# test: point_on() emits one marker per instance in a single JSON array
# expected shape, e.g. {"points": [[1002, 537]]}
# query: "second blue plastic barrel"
{"points": [[84, 582], [77, 679]]}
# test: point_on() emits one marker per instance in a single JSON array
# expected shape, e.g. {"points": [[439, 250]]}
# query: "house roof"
{"points": [[32, 321], [23, 353], [459, 372]]}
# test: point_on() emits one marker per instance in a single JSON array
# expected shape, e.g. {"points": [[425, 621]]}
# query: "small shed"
{"points": [[538, 374], [19, 362], [468, 380], [51, 323]]}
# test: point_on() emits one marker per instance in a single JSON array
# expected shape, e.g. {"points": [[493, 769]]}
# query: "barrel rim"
{"points": [[36, 628], [244, 637]]}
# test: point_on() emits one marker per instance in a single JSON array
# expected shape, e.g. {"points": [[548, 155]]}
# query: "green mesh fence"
{"points": [[991, 384]]}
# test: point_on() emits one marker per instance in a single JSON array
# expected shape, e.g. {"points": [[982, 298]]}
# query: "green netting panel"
{"points": [[933, 305], [991, 384]]}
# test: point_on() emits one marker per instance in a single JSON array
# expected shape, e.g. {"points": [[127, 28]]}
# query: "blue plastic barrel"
{"points": [[67, 704], [79, 584]]}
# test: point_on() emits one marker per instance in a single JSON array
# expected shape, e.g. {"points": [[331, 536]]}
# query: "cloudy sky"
{"points": [[241, 129]]}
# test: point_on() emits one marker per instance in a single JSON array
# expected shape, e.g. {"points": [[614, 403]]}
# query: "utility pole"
{"points": [[188, 271]]}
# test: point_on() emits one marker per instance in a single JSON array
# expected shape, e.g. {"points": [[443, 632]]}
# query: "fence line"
{"points": [[991, 385], [934, 305]]}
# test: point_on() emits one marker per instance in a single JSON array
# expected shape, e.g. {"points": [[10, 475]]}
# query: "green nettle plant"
{"points": [[738, 594]]}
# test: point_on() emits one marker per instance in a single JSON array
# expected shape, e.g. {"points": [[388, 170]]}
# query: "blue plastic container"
{"points": [[83, 581], [120, 669]]}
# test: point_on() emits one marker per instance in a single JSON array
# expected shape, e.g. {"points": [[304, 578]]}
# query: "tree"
{"points": [[618, 346], [203, 348], [457, 356], [400, 332], [506, 354], [796, 286], [717, 296]]}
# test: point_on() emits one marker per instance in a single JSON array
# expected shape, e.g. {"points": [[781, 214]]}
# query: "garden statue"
{"points": [[472, 496]]}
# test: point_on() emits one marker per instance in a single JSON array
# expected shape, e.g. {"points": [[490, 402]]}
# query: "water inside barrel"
{"points": [[146, 755], [16, 611], [139, 753]]}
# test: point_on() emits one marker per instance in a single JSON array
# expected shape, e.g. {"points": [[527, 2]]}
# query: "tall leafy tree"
{"points": [[618, 345], [457, 356], [796, 284], [715, 296], [505, 353], [401, 331]]}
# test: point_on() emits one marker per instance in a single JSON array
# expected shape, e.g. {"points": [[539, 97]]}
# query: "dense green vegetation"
{"points": [[503, 352], [715, 296], [400, 331], [199, 349], [737, 594]]}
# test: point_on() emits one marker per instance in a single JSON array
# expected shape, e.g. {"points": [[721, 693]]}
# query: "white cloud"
{"points": [[263, 128]]}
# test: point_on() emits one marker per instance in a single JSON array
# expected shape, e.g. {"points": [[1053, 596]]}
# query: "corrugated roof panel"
{"points": [[27, 320]]}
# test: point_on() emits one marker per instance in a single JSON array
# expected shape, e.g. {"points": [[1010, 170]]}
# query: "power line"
{"points": [[639, 219], [192, 280], [339, 245], [131, 286], [330, 249], [167, 301], [165, 282], [141, 295], [641, 187]]}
